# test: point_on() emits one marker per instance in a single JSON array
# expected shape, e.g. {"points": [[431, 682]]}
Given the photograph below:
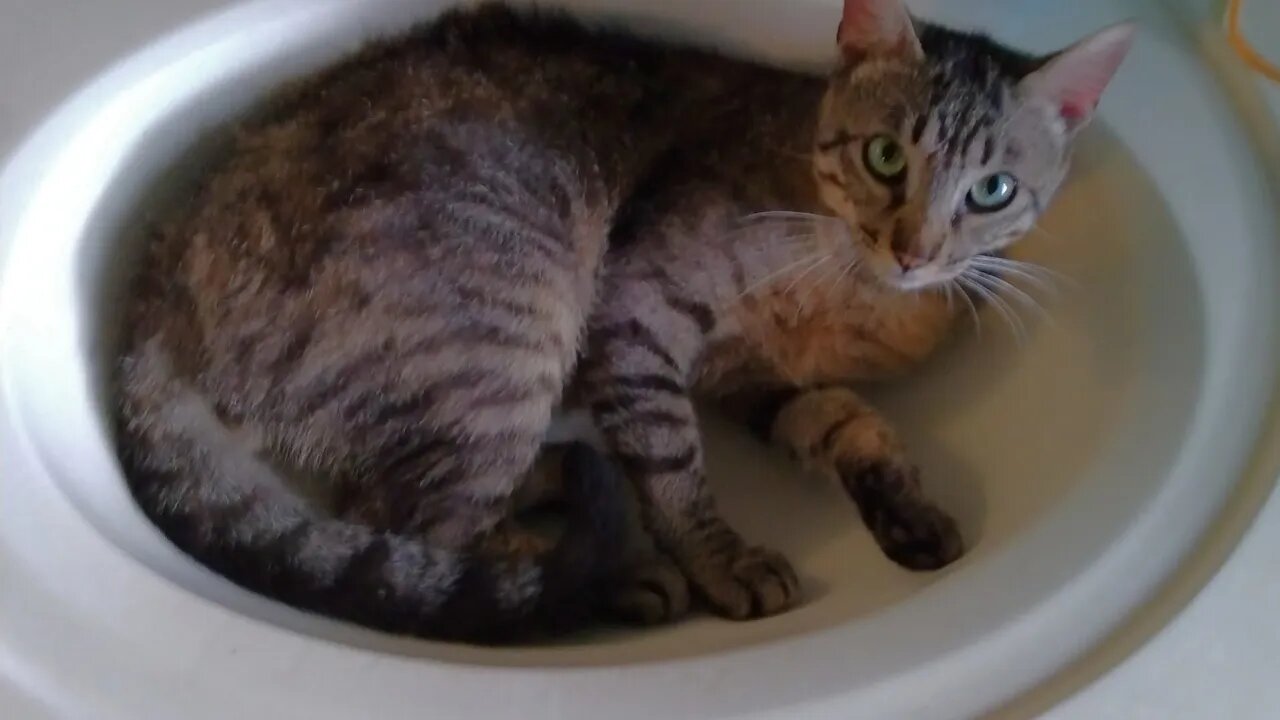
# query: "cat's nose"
{"points": [[908, 261], [903, 249]]}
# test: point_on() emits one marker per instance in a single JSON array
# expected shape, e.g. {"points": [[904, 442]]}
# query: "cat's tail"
{"points": [[221, 503]]}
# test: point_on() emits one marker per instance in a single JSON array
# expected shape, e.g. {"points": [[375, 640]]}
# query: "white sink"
{"points": [[1084, 464]]}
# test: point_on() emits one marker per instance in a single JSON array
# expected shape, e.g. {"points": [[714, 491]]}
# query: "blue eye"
{"points": [[991, 193]]}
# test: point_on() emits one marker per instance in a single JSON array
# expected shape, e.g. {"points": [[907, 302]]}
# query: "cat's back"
{"points": [[482, 100], [541, 75], [406, 123], [366, 125]]}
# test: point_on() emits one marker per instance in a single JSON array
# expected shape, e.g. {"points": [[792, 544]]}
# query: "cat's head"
{"points": [[937, 146]]}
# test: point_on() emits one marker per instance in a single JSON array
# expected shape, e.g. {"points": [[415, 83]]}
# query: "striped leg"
{"points": [[641, 405], [648, 588], [837, 431]]}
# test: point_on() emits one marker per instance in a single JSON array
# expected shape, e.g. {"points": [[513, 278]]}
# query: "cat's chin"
{"points": [[893, 280], [913, 286]]}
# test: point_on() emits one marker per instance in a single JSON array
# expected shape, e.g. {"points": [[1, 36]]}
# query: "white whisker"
{"points": [[820, 261], [788, 215], [998, 283], [1010, 314], [775, 274], [1036, 228], [1041, 274], [1038, 283], [781, 228], [848, 268], [814, 286], [769, 236], [998, 304], [968, 301]]}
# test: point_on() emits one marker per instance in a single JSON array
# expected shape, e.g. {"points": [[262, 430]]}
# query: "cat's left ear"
{"points": [[877, 27], [1073, 80]]}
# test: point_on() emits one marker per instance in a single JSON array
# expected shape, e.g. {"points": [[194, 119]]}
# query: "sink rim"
{"points": [[66, 124]]}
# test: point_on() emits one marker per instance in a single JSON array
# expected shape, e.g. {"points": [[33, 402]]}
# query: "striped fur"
{"points": [[343, 357]]}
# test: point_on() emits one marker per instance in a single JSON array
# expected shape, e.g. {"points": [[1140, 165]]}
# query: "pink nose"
{"points": [[908, 262]]}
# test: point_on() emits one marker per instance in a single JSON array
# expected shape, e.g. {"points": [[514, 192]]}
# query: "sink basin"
{"points": [[1083, 461]]}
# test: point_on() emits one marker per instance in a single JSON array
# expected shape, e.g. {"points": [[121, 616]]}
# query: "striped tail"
{"points": [[226, 507]]}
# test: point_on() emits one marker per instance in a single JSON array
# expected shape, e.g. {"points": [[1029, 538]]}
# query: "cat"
{"points": [[414, 258]]}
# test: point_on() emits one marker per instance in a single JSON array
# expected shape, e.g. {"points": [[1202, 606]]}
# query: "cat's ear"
{"points": [[1073, 80], [877, 27]]}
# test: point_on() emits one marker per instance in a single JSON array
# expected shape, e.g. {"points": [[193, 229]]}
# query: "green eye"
{"points": [[885, 159], [993, 192]]}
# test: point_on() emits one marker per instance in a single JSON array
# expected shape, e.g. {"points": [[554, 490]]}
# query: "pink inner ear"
{"points": [[1078, 101], [1076, 78], [1081, 93], [1075, 112], [876, 26], [862, 15]]}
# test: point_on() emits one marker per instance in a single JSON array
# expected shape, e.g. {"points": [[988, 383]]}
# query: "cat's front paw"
{"points": [[911, 530], [740, 581], [919, 536]]}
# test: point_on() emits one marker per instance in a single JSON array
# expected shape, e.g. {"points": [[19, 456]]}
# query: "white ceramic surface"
{"points": [[1083, 465]]}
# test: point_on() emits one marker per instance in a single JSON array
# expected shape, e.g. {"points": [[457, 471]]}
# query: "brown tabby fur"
{"points": [[390, 285]]}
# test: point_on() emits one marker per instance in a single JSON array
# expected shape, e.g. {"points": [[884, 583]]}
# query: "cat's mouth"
{"points": [[919, 279], [876, 263], [886, 270], [911, 283]]}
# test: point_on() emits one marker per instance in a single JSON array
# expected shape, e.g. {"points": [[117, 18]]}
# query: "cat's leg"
{"points": [[835, 430], [648, 588], [637, 382]]}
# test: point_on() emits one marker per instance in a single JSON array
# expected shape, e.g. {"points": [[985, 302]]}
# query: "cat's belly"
{"points": [[839, 339], [765, 343]]}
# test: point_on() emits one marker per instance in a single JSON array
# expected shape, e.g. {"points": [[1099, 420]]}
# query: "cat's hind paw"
{"points": [[743, 582], [650, 592]]}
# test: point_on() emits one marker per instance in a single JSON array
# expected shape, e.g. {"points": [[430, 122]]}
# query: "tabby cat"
{"points": [[343, 356]]}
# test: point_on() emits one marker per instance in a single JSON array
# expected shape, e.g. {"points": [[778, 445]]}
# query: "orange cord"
{"points": [[1243, 48]]}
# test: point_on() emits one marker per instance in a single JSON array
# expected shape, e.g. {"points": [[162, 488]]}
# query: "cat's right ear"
{"points": [[877, 27], [1073, 80]]}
